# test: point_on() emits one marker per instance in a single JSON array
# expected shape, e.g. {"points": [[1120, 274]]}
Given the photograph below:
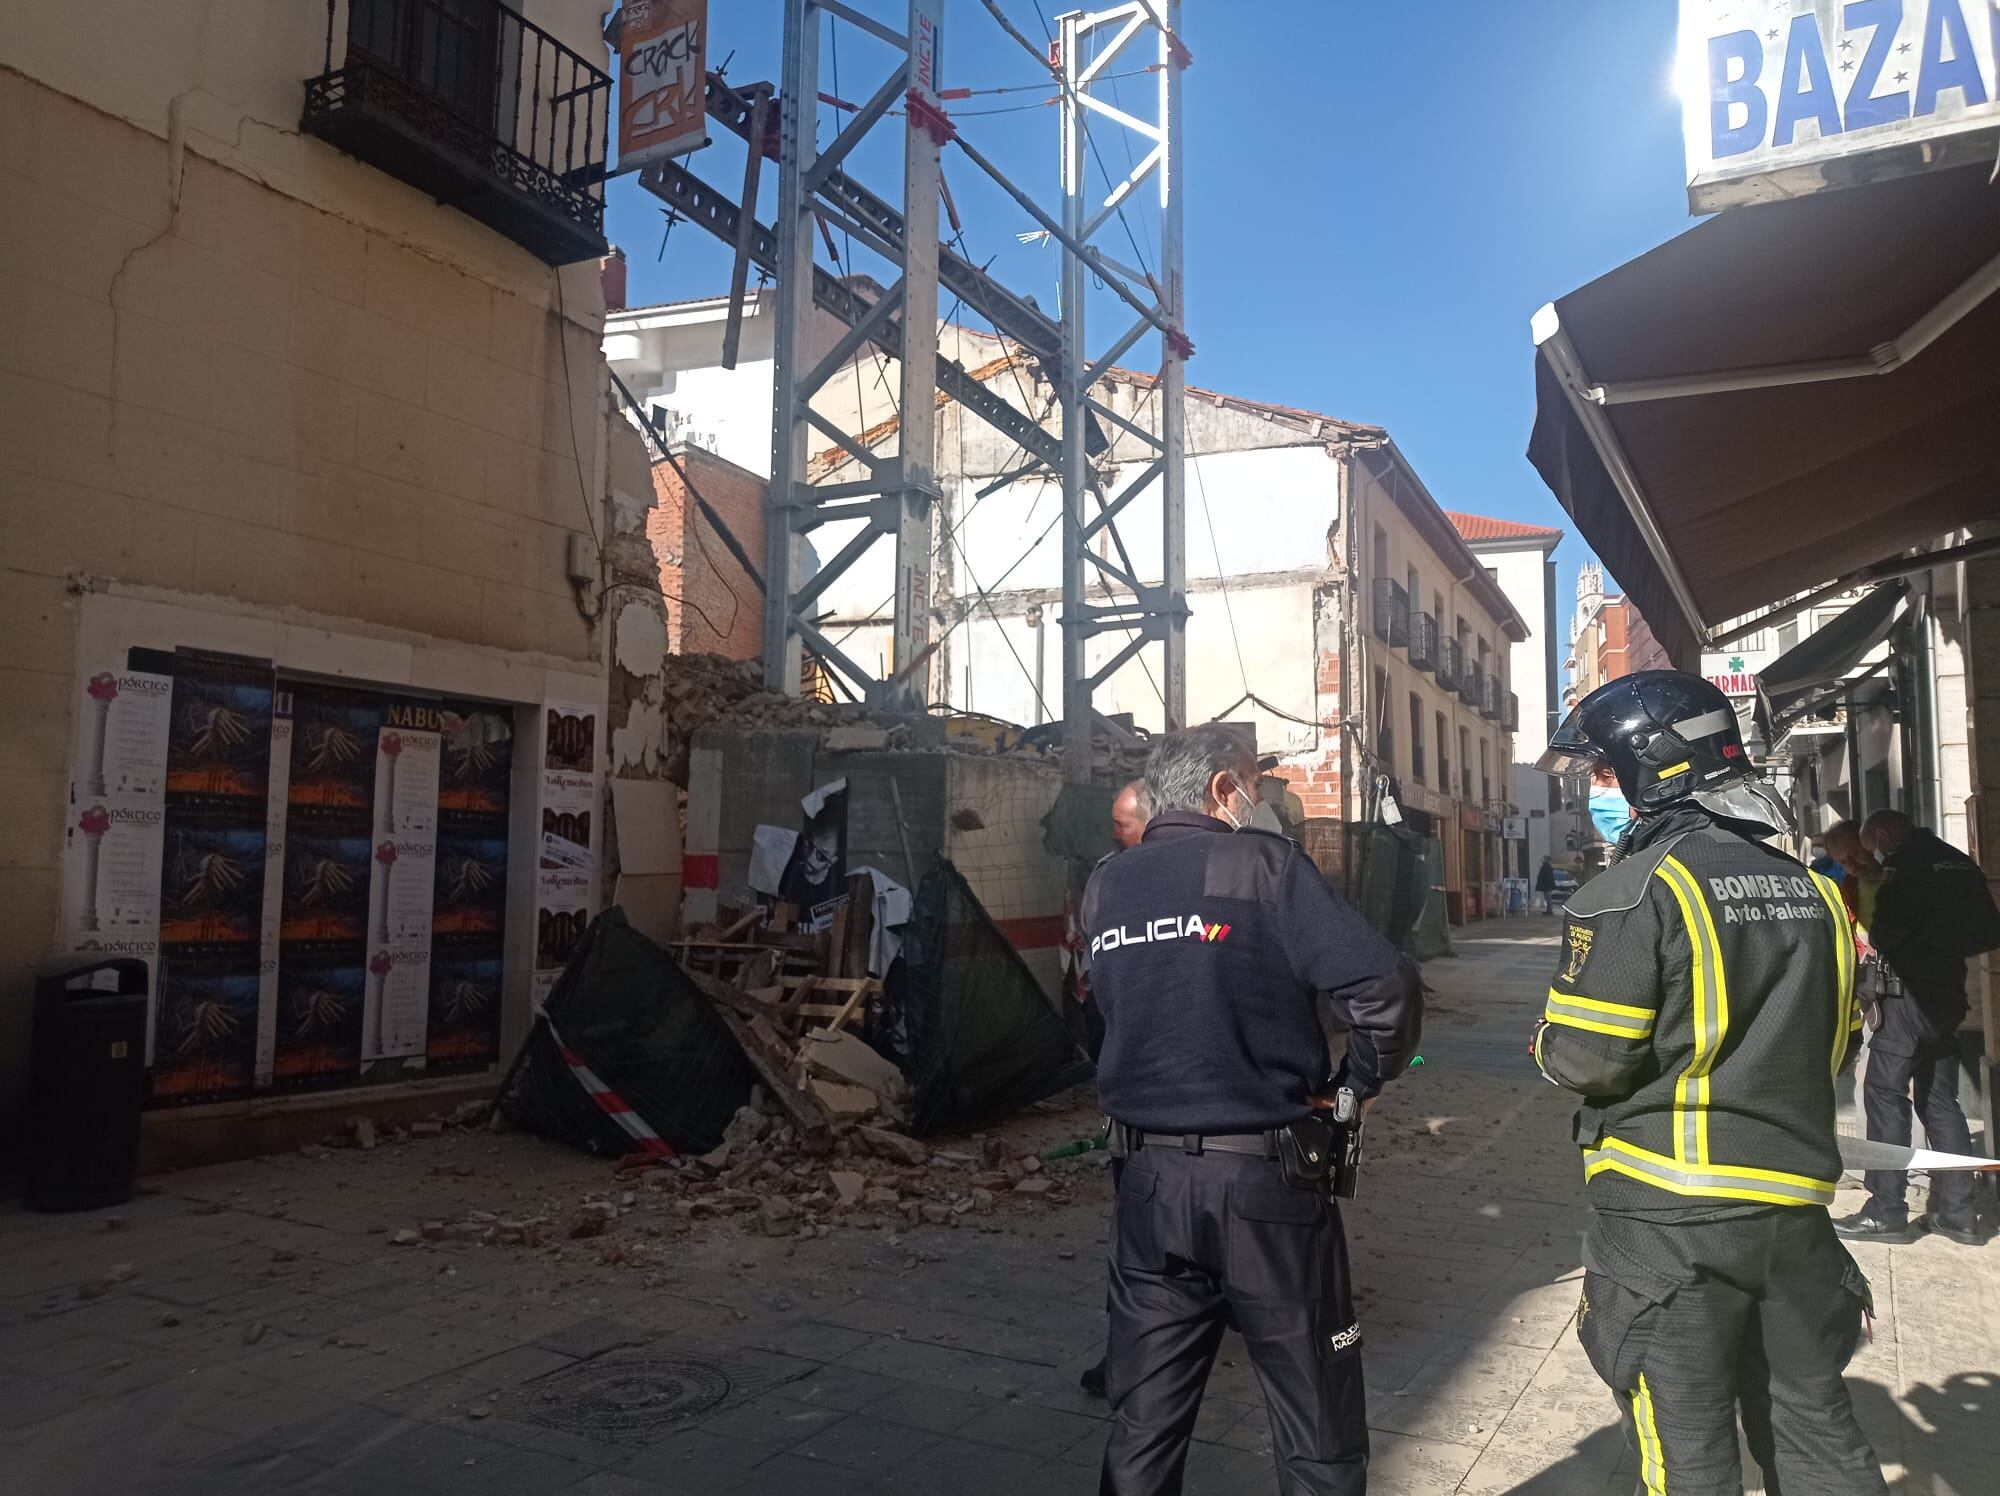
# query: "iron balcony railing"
{"points": [[1471, 681], [1451, 660], [1392, 612], [1489, 703], [1423, 641], [470, 101]]}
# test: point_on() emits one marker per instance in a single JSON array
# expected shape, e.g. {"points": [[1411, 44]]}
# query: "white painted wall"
{"points": [[1522, 574]]}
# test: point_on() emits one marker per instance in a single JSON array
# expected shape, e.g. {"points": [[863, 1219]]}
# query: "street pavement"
{"points": [[252, 1328]]}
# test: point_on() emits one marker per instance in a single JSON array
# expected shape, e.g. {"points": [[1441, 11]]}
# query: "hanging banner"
{"points": [[662, 81]]}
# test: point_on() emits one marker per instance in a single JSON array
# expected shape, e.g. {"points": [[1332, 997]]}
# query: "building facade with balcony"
{"points": [[322, 543], [1521, 558]]}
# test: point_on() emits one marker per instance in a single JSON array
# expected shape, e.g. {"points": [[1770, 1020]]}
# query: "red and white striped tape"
{"points": [[614, 1106]]}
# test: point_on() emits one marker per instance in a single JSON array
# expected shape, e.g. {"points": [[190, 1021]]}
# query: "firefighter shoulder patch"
{"points": [[1576, 950]]}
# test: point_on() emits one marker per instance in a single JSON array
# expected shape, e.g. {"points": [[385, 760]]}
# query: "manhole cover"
{"points": [[631, 1396]]}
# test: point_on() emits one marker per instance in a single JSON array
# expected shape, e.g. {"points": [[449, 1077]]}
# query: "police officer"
{"points": [[1703, 1004], [1207, 951], [1932, 910]]}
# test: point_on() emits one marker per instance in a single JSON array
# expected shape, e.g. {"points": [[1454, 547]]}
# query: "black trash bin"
{"points": [[87, 1082]]}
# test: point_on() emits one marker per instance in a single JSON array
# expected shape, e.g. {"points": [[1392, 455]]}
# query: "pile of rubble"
{"points": [[794, 1001], [767, 1179]]}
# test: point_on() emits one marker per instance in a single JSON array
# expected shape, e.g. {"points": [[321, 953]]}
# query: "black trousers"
{"points": [[1693, 1323], [1200, 1242], [1928, 1078]]}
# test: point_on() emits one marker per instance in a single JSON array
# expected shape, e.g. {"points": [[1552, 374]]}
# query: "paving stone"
{"points": [[1046, 1432]]}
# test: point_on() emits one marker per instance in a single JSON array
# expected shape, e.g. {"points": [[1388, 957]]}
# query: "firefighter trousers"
{"points": [[1204, 1241], [1693, 1323]]}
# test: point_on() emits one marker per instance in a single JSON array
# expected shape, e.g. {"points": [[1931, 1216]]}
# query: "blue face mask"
{"points": [[1610, 812]]}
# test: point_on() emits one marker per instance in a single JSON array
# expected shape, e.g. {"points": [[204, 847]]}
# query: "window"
{"points": [[1381, 552], [1485, 772], [1444, 751], [1788, 635], [1416, 737], [1465, 764], [1410, 585]]}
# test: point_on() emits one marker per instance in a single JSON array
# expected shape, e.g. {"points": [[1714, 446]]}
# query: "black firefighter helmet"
{"points": [[1668, 736]]}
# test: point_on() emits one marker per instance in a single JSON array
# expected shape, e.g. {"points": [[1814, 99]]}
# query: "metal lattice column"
{"points": [[1154, 612], [896, 497]]}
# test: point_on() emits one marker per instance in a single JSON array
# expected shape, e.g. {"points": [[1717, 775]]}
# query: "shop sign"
{"points": [[1514, 828], [1470, 819], [1735, 674], [1778, 105], [662, 80]]}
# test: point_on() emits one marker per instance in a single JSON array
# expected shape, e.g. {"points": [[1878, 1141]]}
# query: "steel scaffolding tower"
{"points": [[1154, 612], [897, 496]]}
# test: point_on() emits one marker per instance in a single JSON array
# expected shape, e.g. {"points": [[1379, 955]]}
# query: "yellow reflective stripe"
{"points": [[1679, 768], [1690, 1110], [1598, 1005], [1847, 1012], [1652, 1458], [1725, 1181], [1616, 1030]]}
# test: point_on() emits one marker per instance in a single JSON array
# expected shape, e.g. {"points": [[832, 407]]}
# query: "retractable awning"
{"points": [[1783, 395], [1830, 653]]}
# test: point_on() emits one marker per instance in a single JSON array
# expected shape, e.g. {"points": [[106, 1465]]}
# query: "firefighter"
{"points": [[1703, 1004], [1208, 951]]}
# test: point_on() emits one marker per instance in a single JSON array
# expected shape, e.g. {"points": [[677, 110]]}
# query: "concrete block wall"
{"points": [[712, 605], [984, 814], [212, 389]]}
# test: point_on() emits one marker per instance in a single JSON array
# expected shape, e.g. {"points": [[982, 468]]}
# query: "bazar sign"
{"points": [[1777, 105]]}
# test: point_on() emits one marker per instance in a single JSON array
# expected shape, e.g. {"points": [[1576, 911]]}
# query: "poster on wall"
{"points": [[408, 762], [814, 881], [566, 852], [271, 924], [327, 807], [212, 877], [469, 895], [115, 833]]}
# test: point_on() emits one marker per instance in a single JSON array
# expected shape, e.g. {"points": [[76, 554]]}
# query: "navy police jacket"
{"points": [[1205, 953]]}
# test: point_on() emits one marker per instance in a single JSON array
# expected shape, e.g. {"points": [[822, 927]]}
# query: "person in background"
{"points": [[1858, 874], [1545, 885], [1130, 812], [1823, 862], [1932, 910]]}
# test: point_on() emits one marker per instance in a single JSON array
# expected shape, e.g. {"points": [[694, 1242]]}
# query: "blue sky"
{"points": [[1379, 195]]}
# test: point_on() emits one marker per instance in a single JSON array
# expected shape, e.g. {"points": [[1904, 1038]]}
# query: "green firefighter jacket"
{"points": [[1702, 1007]]}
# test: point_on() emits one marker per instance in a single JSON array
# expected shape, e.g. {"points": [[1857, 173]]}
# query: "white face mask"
{"points": [[1249, 805]]}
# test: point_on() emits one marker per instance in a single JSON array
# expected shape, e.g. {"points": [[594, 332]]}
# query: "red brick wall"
{"points": [[712, 606]]}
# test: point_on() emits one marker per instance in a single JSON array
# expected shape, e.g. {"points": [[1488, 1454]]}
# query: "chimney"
{"points": [[611, 274]]}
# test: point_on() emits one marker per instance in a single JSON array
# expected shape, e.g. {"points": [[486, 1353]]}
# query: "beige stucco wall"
{"points": [[240, 367]]}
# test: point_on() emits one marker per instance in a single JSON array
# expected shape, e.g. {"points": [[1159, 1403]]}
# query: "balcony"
{"points": [[1490, 706], [1392, 612], [1451, 660], [1471, 682], [1423, 642], [1511, 720], [474, 104]]}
